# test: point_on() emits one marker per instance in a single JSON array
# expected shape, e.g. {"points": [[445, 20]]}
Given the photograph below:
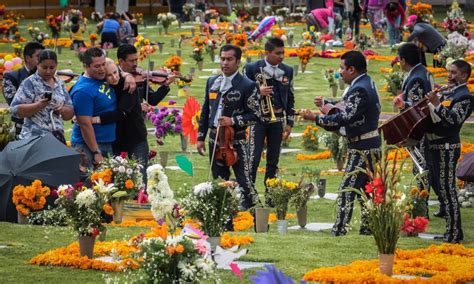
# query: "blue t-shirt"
{"points": [[110, 26], [92, 97]]}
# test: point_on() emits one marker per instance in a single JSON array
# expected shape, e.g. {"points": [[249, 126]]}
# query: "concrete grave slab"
{"points": [[316, 227]]}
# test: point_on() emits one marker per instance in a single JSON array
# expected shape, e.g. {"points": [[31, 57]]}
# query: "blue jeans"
{"points": [[338, 24], [394, 33], [139, 152], [88, 157]]}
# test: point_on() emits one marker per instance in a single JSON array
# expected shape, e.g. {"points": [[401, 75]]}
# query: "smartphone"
{"points": [[48, 95]]}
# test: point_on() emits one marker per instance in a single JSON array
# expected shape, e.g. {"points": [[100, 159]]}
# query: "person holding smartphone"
{"points": [[42, 100]]}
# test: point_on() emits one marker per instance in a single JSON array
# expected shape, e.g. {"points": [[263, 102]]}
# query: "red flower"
{"points": [[152, 154], [123, 155], [421, 224], [95, 232], [191, 115], [377, 189], [54, 193], [78, 185]]}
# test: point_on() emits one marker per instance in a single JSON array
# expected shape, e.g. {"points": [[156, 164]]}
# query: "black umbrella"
{"points": [[43, 158]]}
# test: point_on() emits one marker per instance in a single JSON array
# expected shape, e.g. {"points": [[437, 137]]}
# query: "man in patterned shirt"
{"points": [[13, 79]]}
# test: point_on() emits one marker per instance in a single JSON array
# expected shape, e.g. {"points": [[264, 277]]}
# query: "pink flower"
{"points": [[123, 155], [201, 247], [421, 224]]}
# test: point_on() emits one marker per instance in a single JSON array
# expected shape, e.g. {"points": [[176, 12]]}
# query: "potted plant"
{"points": [[213, 204], [124, 179], [385, 205], [29, 198], [337, 144], [83, 207], [280, 191], [309, 183]]}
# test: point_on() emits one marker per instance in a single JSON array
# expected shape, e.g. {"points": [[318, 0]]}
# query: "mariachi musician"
{"points": [[448, 112], [275, 80], [359, 117], [415, 86], [231, 101]]}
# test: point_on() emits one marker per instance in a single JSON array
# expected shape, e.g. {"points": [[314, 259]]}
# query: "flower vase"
{"points": [[282, 226], [302, 215], [303, 67], [295, 69], [86, 246], [340, 164], [163, 158], [212, 55], [261, 220], [290, 41], [184, 142], [117, 205], [200, 65], [160, 47], [103, 235], [322, 188], [334, 90], [386, 263], [214, 241], [22, 220], [342, 85], [92, 43], [166, 30]]}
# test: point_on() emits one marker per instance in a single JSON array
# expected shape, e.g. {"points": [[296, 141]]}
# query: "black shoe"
{"points": [[365, 232], [337, 234], [440, 214]]}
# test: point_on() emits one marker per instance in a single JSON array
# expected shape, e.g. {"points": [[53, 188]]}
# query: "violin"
{"points": [[226, 151], [66, 75], [157, 77]]}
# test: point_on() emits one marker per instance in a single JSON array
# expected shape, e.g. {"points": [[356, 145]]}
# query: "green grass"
{"points": [[295, 253]]}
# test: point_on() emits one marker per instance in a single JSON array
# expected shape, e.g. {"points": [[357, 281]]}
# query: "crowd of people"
{"points": [[107, 104]]}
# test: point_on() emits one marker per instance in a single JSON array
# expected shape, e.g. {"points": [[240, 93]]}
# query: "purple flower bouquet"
{"points": [[167, 121]]}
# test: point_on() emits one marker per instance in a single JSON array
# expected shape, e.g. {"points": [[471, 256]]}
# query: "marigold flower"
{"points": [[108, 209], [129, 184], [179, 249], [424, 193]]}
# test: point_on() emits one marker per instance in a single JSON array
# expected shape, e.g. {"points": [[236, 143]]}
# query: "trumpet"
{"points": [[266, 105]]}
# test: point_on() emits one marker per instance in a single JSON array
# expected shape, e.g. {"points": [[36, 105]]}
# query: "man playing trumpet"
{"points": [[275, 80], [448, 112], [358, 121]]}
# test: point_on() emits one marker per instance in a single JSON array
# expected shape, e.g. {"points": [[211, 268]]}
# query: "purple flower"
{"points": [[272, 275], [172, 102], [160, 222]]}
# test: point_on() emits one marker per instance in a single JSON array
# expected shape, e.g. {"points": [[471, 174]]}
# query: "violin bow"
{"points": [[214, 150]]}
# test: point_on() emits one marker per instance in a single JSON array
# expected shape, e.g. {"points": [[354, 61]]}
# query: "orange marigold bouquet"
{"points": [[305, 51], [310, 140], [121, 177], [54, 23], [421, 10], [30, 198], [93, 37], [174, 63], [241, 40]]}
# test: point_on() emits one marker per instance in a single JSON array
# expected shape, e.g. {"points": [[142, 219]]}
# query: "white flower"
{"points": [[206, 265], [121, 169], [203, 189], [173, 240], [62, 189], [129, 171], [103, 188], [187, 269], [86, 198]]}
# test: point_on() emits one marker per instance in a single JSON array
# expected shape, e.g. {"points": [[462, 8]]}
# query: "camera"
{"points": [[48, 95]]}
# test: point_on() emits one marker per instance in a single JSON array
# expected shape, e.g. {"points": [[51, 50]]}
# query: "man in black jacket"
{"points": [[230, 100], [131, 129], [448, 113], [13, 79], [279, 78]]}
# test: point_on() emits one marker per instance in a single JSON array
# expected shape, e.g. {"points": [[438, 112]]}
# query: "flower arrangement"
{"points": [[211, 14], [301, 197], [145, 47], [280, 191], [421, 10], [336, 144], [394, 78], [363, 42], [211, 46], [385, 204], [197, 55], [176, 259], [455, 47], [455, 20], [213, 204], [83, 206], [379, 36], [412, 226], [30, 198], [283, 13], [160, 194], [120, 175], [310, 140], [93, 38], [418, 202], [174, 63], [54, 24], [305, 52], [37, 35], [188, 10], [240, 40], [166, 121], [243, 221], [331, 77], [165, 20], [139, 17]]}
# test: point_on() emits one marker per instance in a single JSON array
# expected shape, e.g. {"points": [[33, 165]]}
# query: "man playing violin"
{"points": [[13, 79], [418, 83], [231, 100], [448, 113], [131, 128], [279, 78], [358, 121]]}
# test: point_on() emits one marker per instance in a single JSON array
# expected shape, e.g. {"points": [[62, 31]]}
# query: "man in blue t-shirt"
{"points": [[91, 96]]}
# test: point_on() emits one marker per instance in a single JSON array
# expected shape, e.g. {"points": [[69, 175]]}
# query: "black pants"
{"points": [[241, 170], [445, 159], [272, 133], [110, 37], [345, 201], [354, 23]]}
